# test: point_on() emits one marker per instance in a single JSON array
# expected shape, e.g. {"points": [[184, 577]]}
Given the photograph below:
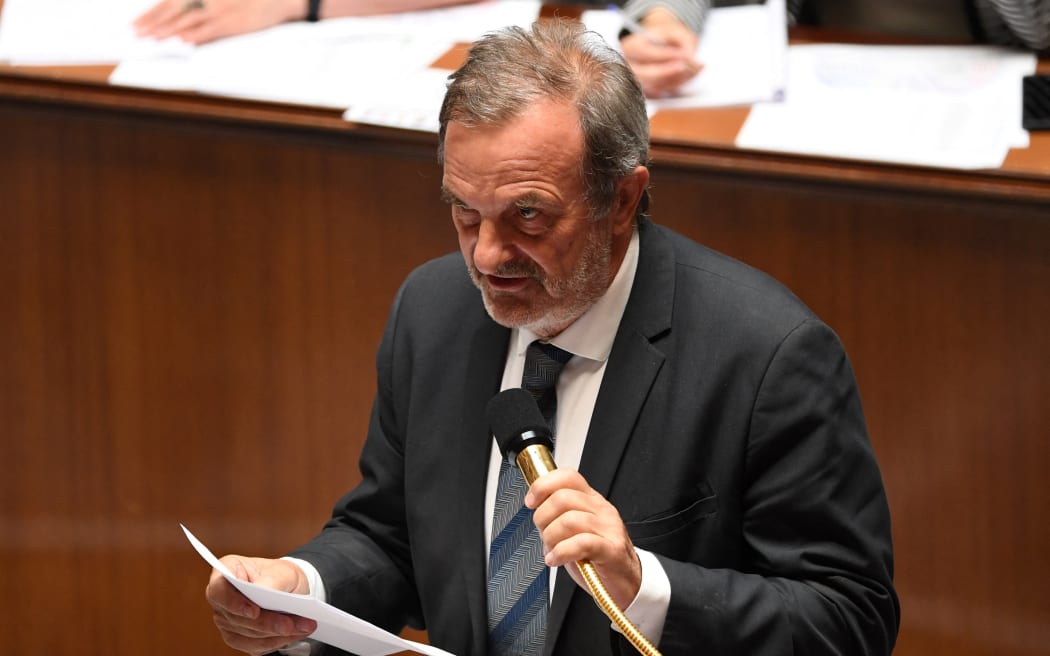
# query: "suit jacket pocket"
{"points": [[665, 524]]}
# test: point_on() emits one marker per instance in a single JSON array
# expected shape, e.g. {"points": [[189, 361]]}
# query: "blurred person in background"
{"points": [[663, 58]]}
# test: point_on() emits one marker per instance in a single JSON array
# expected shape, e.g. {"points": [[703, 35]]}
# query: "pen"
{"points": [[633, 26]]}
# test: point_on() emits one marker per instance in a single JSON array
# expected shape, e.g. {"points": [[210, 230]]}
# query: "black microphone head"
{"points": [[516, 421]]}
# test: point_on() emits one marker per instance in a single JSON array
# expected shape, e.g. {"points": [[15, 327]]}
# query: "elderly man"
{"points": [[716, 469]]}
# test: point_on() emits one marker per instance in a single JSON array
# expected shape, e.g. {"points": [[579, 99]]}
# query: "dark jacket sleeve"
{"points": [[817, 574], [362, 555], [1016, 22]]}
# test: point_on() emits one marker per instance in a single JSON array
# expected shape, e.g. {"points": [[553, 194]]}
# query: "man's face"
{"points": [[518, 206]]}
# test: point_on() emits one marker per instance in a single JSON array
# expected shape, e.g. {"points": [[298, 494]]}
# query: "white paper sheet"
{"points": [[412, 104], [375, 64], [292, 63], [743, 71], [77, 32], [334, 627], [742, 49], [457, 23], [942, 106]]}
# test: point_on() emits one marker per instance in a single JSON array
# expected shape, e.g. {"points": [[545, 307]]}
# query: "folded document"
{"points": [[334, 627]]}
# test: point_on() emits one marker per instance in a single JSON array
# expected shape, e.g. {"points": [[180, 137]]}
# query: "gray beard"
{"points": [[572, 295]]}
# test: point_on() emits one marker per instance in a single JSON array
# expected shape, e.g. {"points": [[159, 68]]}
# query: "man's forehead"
{"points": [[532, 145], [542, 113]]}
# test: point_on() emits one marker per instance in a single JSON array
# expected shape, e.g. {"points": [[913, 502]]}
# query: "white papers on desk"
{"points": [[327, 64], [77, 32], [457, 23], [412, 103], [943, 106], [334, 627], [743, 54], [413, 100], [742, 49], [376, 65]]}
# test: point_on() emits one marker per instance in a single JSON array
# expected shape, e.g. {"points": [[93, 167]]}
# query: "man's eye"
{"points": [[464, 214], [528, 213]]}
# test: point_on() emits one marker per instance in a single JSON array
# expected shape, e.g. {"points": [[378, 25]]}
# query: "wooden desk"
{"points": [[193, 289]]}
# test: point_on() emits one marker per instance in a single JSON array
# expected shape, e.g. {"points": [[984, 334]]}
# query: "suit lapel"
{"points": [[634, 361], [484, 372], [634, 358]]}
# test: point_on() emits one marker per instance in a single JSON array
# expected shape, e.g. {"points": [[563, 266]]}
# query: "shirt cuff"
{"points": [[691, 12], [312, 577], [301, 648], [648, 611]]}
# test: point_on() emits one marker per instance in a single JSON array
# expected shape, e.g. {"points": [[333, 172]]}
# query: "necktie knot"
{"points": [[543, 364]]}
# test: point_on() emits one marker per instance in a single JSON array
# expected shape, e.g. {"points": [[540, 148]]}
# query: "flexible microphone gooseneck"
{"points": [[522, 433]]}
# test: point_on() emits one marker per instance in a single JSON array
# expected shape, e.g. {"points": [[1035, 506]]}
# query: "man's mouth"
{"points": [[507, 284]]}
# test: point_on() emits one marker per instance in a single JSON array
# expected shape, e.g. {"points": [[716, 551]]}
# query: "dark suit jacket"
{"points": [[728, 432]]}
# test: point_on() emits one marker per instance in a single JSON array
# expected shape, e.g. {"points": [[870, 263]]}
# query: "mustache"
{"points": [[517, 269]]}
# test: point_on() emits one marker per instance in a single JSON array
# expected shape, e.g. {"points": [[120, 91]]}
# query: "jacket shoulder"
{"points": [[715, 285]]}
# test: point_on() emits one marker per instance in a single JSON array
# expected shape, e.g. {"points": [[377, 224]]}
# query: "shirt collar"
{"points": [[591, 336]]}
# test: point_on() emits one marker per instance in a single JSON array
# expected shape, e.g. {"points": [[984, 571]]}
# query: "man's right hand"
{"points": [[241, 622], [206, 20], [663, 59]]}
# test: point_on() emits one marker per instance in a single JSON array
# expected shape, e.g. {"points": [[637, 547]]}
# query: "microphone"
{"points": [[521, 432]]}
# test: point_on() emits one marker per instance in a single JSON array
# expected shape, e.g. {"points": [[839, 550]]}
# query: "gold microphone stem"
{"points": [[535, 461]]}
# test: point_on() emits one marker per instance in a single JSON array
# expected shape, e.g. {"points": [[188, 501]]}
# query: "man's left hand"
{"points": [[576, 523]]}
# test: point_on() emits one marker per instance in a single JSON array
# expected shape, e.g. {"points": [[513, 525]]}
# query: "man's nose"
{"points": [[493, 247]]}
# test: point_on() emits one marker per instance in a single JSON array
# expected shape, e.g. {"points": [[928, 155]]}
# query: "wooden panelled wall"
{"points": [[190, 309]]}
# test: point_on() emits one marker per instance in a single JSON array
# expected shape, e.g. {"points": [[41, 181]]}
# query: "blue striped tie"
{"points": [[517, 590]]}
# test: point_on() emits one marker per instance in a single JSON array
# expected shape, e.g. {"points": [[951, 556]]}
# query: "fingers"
{"points": [[641, 49], [242, 624], [185, 23], [667, 78], [192, 22], [207, 20], [170, 18], [664, 27], [223, 597], [574, 520], [204, 31], [576, 523], [158, 15], [661, 68], [664, 58], [268, 632], [557, 480]]}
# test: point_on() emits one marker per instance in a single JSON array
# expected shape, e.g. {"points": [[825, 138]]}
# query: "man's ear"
{"points": [[629, 192]]}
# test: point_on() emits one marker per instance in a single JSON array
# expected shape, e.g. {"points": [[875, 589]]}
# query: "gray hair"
{"points": [[508, 70]]}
